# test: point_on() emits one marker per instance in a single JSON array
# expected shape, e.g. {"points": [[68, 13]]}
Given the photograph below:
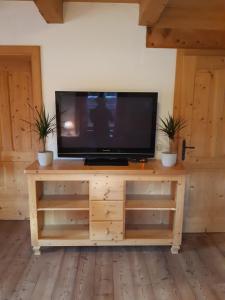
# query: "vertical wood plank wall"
{"points": [[20, 84]]}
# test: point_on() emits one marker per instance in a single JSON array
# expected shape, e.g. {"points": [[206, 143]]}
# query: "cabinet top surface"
{"points": [[153, 167]]}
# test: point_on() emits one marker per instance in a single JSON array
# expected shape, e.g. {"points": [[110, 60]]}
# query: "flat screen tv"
{"points": [[106, 124]]}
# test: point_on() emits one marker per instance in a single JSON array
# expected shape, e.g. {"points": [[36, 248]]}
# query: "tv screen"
{"points": [[106, 123]]}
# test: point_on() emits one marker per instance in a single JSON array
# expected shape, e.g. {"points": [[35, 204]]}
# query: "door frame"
{"points": [[181, 53], [196, 218], [33, 54]]}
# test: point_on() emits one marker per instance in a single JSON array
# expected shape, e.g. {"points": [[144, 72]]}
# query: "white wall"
{"points": [[99, 47]]}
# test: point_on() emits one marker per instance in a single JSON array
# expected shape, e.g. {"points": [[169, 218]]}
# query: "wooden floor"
{"points": [[134, 273]]}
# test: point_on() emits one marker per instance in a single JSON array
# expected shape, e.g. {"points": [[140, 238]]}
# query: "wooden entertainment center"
{"points": [[76, 205]]}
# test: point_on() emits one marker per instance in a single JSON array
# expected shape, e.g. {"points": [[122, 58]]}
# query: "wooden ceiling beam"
{"points": [[150, 11], [193, 14], [185, 38], [96, 1], [105, 1], [51, 10]]}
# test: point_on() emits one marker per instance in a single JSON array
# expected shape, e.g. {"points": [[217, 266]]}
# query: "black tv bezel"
{"points": [[108, 152]]}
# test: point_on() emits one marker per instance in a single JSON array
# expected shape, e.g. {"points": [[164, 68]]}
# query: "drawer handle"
{"points": [[107, 231], [107, 212]]}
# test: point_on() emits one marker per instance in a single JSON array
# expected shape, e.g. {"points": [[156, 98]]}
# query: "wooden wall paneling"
{"points": [[19, 88], [184, 89], [185, 38], [20, 83], [1, 177], [14, 194], [12, 208], [5, 120], [204, 207], [218, 115], [199, 98], [201, 121]]}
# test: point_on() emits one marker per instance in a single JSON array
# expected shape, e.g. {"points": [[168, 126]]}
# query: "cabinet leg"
{"points": [[175, 249], [36, 250]]}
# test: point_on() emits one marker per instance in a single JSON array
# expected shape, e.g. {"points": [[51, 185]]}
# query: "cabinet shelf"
{"points": [[64, 232], [63, 202], [159, 232], [146, 202]]}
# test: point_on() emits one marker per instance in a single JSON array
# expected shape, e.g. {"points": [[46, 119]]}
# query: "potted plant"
{"points": [[170, 126], [43, 125]]}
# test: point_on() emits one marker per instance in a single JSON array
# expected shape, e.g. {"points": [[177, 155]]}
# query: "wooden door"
{"points": [[200, 100], [18, 145]]}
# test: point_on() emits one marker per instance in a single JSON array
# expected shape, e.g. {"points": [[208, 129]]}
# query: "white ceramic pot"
{"points": [[45, 158], [168, 159]]}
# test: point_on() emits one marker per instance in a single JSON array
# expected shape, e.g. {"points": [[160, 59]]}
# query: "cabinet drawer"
{"points": [[106, 210], [102, 188], [106, 231]]}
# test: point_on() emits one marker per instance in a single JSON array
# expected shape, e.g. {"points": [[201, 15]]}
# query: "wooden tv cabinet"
{"points": [[140, 204]]}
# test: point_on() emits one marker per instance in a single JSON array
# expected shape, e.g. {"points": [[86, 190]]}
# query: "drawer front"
{"points": [[106, 231], [106, 188], [106, 210]]}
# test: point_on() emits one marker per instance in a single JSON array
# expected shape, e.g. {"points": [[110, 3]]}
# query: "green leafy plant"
{"points": [[170, 126], [43, 124]]}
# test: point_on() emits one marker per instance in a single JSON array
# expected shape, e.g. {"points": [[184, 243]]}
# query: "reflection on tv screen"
{"points": [[104, 120]]}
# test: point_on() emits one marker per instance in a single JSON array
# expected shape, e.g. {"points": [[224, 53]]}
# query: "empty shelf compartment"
{"points": [[63, 202], [150, 202]]}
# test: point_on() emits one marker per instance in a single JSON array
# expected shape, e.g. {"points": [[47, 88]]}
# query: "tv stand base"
{"points": [[106, 162], [108, 207]]}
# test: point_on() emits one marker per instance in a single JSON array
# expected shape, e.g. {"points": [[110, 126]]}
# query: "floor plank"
{"points": [[110, 273], [143, 288], [67, 275], [163, 283], [84, 280], [103, 274]]}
